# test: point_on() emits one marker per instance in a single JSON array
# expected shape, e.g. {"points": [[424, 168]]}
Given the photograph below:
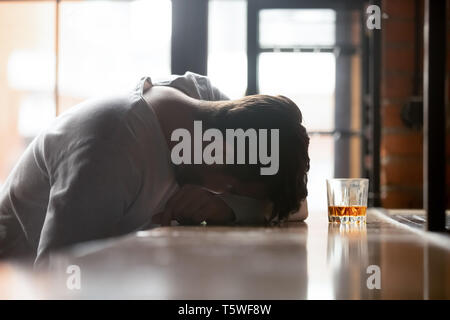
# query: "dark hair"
{"points": [[288, 187]]}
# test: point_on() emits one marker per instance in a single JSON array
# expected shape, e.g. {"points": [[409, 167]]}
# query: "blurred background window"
{"points": [[106, 46], [227, 46], [298, 55], [27, 75], [103, 47], [296, 27]]}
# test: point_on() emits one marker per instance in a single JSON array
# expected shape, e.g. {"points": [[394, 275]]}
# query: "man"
{"points": [[104, 168]]}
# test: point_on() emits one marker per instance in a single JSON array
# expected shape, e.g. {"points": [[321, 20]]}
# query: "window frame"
{"points": [[370, 86]]}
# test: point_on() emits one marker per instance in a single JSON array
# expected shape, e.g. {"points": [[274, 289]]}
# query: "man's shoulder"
{"points": [[97, 117], [95, 121]]}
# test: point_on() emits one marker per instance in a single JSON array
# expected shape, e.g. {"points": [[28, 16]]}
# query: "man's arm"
{"points": [[194, 204]]}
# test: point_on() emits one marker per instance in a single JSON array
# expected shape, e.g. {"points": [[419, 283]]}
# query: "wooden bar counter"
{"points": [[383, 259]]}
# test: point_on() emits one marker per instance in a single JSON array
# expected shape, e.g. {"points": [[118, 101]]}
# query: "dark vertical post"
{"points": [[374, 113], [434, 114], [252, 46], [342, 109], [365, 93], [189, 36]]}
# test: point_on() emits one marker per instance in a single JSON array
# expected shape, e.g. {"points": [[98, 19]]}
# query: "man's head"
{"points": [[288, 186]]}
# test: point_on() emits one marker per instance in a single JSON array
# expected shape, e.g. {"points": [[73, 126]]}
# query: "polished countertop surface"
{"points": [[383, 259]]}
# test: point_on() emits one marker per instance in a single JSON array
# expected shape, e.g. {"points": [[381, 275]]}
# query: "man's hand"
{"points": [[193, 204]]}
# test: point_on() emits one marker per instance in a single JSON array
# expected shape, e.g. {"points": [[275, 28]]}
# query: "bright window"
{"points": [[106, 46], [27, 77], [297, 27], [227, 48]]}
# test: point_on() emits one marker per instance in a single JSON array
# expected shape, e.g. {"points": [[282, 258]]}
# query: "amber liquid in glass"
{"points": [[347, 214]]}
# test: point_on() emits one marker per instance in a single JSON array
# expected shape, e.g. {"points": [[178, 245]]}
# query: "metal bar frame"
{"points": [[252, 46], [434, 188], [189, 44]]}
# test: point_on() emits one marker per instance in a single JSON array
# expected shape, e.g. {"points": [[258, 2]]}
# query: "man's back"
{"points": [[86, 178]]}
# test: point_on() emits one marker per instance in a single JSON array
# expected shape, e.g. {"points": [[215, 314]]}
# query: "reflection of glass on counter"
{"points": [[348, 258], [350, 230]]}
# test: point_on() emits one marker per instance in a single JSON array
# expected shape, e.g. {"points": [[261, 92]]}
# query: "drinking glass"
{"points": [[347, 200]]}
